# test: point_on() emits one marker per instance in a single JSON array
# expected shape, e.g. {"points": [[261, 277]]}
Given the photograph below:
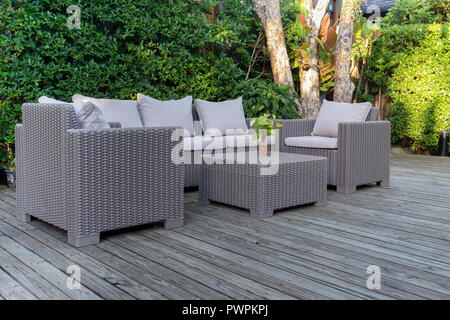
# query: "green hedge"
{"points": [[166, 49], [412, 62], [261, 97], [418, 12]]}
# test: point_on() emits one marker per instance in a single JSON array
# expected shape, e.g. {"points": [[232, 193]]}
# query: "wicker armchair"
{"points": [[90, 181], [362, 154]]}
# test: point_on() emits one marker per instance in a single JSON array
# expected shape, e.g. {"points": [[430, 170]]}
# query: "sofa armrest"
{"points": [[121, 177], [363, 152]]}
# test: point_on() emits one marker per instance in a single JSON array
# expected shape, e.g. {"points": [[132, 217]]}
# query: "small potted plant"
{"points": [[263, 126], [10, 169]]}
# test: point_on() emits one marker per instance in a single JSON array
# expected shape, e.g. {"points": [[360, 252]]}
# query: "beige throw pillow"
{"points": [[331, 113]]}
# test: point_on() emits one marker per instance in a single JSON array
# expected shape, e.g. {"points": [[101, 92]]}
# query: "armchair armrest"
{"points": [[363, 153], [18, 132], [119, 178], [294, 128]]}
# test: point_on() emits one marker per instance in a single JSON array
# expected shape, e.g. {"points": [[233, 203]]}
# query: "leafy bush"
{"points": [[123, 47], [417, 12], [237, 29], [412, 61], [264, 96]]}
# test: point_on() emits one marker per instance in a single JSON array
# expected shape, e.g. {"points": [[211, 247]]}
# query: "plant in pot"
{"points": [[8, 164], [264, 126]]}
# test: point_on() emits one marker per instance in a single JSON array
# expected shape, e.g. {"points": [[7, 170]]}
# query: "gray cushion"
{"points": [[312, 142], [123, 111], [196, 143], [88, 115], [218, 117], [331, 113], [171, 113], [45, 99], [222, 142]]}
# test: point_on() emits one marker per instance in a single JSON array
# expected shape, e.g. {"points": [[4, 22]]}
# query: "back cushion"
{"points": [[88, 115], [217, 117], [45, 99], [123, 111], [171, 113], [331, 113]]}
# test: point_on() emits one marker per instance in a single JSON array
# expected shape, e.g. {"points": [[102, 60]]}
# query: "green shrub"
{"points": [[411, 62], [264, 96], [417, 12], [123, 47]]}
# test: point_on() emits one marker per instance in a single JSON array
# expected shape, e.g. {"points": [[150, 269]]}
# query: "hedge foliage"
{"points": [[418, 12], [165, 49], [262, 97], [412, 62]]}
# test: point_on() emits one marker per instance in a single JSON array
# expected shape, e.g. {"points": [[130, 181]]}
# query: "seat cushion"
{"points": [[221, 142], [241, 141], [331, 113], [88, 115], [171, 113], [196, 143], [123, 111], [312, 142], [218, 117]]}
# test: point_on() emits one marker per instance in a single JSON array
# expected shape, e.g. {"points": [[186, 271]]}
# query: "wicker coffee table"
{"points": [[298, 179]]}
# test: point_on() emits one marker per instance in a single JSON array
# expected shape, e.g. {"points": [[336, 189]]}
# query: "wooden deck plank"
{"points": [[322, 261], [282, 261], [118, 278], [54, 275], [165, 287], [283, 280], [336, 226], [386, 228], [288, 225], [196, 280], [319, 246], [11, 289], [171, 292], [99, 276], [29, 279], [222, 253], [211, 273]]}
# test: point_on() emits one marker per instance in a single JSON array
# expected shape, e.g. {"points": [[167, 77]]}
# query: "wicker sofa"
{"points": [[90, 181], [360, 157]]}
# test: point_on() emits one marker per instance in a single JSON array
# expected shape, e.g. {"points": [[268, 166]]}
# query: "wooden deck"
{"points": [[221, 253]]}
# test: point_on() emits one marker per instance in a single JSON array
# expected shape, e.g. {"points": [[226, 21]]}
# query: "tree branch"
{"points": [[254, 56]]}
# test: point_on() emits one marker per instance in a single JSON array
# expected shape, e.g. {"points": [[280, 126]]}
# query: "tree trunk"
{"points": [[309, 77], [344, 86], [269, 13], [309, 85]]}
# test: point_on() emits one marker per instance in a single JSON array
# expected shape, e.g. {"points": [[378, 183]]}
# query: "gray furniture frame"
{"points": [[362, 154], [90, 181], [300, 179]]}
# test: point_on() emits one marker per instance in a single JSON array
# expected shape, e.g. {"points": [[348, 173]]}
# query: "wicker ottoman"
{"points": [[297, 179]]}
